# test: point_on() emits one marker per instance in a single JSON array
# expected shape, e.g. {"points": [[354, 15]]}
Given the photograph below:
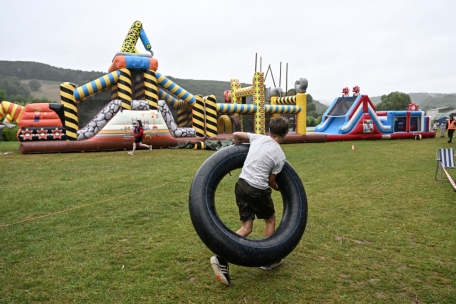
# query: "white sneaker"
{"points": [[150, 147], [221, 269], [131, 153], [272, 266]]}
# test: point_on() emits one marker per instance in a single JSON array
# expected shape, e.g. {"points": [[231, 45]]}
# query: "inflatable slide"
{"points": [[355, 117]]}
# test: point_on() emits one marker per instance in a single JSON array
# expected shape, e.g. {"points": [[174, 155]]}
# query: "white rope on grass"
{"points": [[81, 206]]}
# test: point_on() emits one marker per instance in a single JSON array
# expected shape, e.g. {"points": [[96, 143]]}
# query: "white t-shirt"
{"points": [[265, 157]]}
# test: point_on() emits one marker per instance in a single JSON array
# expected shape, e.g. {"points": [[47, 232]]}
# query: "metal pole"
{"points": [[267, 71], [280, 76], [273, 78], [286, 81]]}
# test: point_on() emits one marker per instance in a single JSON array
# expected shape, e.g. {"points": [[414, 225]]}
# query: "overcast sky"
{"points": [[381, 46]]}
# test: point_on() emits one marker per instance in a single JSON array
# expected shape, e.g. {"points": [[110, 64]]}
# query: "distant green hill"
{"points": [[50, 78], [427, 101], [24, 70], [321, 108], [204, 87], [433, 101], [46, 74]]}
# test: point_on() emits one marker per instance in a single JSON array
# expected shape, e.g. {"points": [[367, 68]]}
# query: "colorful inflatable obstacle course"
{"points": [[138, 91]]}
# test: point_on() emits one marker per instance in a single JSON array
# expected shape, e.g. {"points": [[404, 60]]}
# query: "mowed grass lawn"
{"points": [[112, 228]]}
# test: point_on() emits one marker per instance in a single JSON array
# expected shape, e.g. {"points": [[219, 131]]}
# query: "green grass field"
{"points": [[112, 228]]}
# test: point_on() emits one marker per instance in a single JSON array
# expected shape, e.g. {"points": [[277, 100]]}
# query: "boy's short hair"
{"points": [[279, 126]]}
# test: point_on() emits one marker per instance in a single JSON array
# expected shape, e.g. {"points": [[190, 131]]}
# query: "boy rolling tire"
{"points": [[228, 244]]}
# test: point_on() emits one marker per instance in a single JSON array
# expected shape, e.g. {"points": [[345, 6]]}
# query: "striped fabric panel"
{"points": [[447, 157]]}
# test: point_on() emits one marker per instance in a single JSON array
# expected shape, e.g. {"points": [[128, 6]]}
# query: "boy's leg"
{"points": [[270, 226], [268, 230], [246, 214], [246, 228]]}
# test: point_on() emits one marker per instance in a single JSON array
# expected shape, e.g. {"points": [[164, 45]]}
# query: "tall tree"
{"points": [[13, 87], [394, 101], [34, 85], [311, 107]]}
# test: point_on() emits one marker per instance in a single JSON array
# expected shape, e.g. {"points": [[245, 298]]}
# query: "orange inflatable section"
{"points": [[39, 115], [120, 62]]}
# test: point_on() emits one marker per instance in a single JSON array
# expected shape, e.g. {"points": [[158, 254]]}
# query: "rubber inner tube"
{"points": [[226, 243]]}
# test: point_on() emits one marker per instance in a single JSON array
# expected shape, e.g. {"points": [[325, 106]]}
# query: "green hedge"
{"points": [[9, 134]]}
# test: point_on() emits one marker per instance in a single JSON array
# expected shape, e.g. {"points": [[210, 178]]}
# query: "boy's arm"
{"points": [[239, 137], [272, 182]]}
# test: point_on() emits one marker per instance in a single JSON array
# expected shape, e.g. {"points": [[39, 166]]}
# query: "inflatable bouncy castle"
{"points": [[138, 91], [355, 117], [133, 82]]}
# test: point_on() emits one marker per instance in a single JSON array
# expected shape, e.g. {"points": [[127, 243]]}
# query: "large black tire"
{"points": [[225, 242]]}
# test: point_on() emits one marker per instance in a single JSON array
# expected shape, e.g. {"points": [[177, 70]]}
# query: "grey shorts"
{"points": [[252, 201]]}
